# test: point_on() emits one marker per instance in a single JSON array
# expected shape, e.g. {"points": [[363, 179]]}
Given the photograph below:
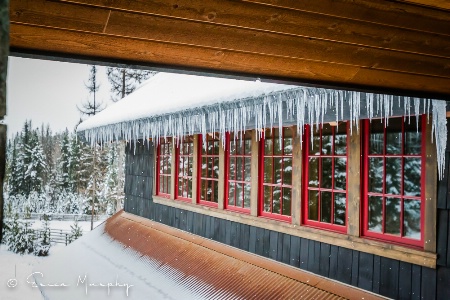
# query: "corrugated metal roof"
{"points": [[213, 270]]}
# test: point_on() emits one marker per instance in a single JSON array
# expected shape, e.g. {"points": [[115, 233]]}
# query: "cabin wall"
{"points": [[385, 276]]}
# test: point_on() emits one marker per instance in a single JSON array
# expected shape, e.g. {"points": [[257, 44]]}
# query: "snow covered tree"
{"points": [[63, 179], [42, 244], [18, 236], [92, 106], [125, 81], [36, 167], [75, 232]]}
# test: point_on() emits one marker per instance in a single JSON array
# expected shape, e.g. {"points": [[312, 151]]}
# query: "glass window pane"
{"points": [[239, 168], [267, 198], [325, 207], [276, 200], [412, 176], [393, 143], [393, 175], [286, 201], [277, 166], [313, 170], [287, 175], [339, 208], [268, 169], [190, 166], [248, 169], [180, 187], [232, 168], [203, 189], [169, 183], [162, 184], [313, 198], [189, 188], [375, 175], [327, 142], [413, 142], [204, 167], [247, 189], [232, 145], [340, 144], [315, 144], [412, 219], [392, 225], [277, 147], [376, 140], [239, 194], [287, 141], [169, 165], [231, 191], [248, 146], [326, 173], [375, 213], [216, 167], [268, 146], [340, 173]]}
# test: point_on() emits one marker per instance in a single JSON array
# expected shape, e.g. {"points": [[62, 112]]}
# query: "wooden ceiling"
{"points": [[386, 46]]}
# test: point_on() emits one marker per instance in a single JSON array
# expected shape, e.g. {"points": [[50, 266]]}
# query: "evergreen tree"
{"points": [[36, 167], [92, 106], [75, 232], [125, 81], [63, 179]]}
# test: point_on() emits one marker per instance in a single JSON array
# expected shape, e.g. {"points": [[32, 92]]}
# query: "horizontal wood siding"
{"points": [[385, 276]]}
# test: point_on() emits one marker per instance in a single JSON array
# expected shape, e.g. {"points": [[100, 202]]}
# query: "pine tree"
{"points": [[92, 106], [75, 232], [125, 81], [63, 179]]}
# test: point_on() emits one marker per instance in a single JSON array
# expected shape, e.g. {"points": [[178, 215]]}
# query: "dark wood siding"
{"points": [[385, 276]]}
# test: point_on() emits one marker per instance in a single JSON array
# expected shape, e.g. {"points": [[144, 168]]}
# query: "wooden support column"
{"points": [[195, 169], [4, 51], [254, 175], [155, 168], [431, 182], [173, 162], [354, 181], [221, 188], [296, 208]]}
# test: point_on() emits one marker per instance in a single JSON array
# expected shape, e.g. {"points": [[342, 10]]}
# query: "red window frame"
{"points": [[320, 156], [237, 152], [270, 157], [164, 157], [184, 165], [210, 155], [398, 239]]}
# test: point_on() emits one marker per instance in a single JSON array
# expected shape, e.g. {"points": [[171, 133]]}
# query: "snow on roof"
{"points": [[170, 93]]}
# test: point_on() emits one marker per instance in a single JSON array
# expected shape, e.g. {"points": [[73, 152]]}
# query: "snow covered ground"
{"points": [[15, 268]]}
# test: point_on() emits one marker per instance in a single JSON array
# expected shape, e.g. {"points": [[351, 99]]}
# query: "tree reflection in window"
{"points": [[209, 168], [164, 163], [326, 177], [185, 162], [394, 156], [276, 169], [238, 183]]}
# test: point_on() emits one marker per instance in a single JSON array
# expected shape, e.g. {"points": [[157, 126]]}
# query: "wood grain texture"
{"points": [[221, 189], [274, 39], [296, 179], [354, 181], [431, 183], [195, 169], [254, 175], [173, 162]]}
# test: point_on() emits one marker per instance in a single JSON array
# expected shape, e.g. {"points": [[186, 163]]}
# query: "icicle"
{"points": [[439, 127]]}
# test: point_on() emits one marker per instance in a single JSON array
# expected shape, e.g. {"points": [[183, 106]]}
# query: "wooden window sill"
{"points": [[397, 252]]}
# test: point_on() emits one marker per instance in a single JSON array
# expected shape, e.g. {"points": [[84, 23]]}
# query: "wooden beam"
{"points": [[173, 162], [221, 188], [254, 175], [184, 55], [195, 169], [354, 181], [431, 183], [296, 178]]}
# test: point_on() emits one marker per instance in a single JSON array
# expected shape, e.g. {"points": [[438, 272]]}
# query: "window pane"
{"points": [[268, 146], [180, 187], [189, 188], [287, 144], [376, 141], [392, 225], [239, 194], [277, 147], [412, 176], [325, 207], [313, 199], [204, 167], [286, 201], [315, 144], [216, 191], [232, 170], [375, 213], [247, 188], [326, 173], [313, 172], [339, 208], [231, 187], [268, 169], [277, 166], [215, 168], [276, 200], [413, 142], [169, 165], [203, 189], [162, 184], [190, 166], [375, 175], [239, 168], [393, 175], [340, 144], [248, 146], [412, 219], [233, 146], [267, 198], [393, 143], [248, 169], [169, 183], [340, 173], [327, 142], [287, 175]]}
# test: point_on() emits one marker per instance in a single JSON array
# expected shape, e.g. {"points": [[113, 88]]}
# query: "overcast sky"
{"points": [[48, 92]]}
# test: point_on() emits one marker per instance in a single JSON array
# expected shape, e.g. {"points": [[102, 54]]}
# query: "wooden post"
{"points": [[120, 174], [254, 175], [354, 182], [221, 188], [431, 182], [173, 169], [4, 51], [296, 208], [195, 169]]}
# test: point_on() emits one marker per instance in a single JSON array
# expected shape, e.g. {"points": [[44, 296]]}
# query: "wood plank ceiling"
{"points": [[363, 44]]}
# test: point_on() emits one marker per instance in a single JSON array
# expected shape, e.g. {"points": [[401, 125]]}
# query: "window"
{"points": [[238, 171], [276, 173], [393, 181], [209, 169], [164, 163], [185, 162]]}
